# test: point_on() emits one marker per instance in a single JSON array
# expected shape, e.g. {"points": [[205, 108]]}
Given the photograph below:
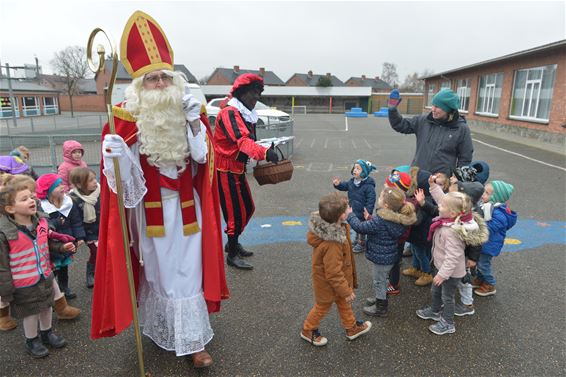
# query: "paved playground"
{"points": [[521, 331]]}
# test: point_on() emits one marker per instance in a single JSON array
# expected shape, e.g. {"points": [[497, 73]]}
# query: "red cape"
{"points": [[111, 305]]}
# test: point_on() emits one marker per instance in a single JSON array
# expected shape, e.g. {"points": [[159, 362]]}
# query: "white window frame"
{"points": [[15, 101], [463, 93], [446, 84], [25, 108], [490, 88], [55, 106], [430, 94], [532, 89]]}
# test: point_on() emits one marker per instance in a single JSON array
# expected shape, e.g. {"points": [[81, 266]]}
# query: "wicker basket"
{"points": [[272, 173]]}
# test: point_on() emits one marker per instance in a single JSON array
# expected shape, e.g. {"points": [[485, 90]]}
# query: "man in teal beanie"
{"points": [[444, 141]]}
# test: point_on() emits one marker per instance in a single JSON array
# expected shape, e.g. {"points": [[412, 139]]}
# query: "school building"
{"points": [[523, 93]]}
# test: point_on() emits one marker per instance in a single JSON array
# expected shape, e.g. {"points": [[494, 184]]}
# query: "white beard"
{"points": [[161, 122]]}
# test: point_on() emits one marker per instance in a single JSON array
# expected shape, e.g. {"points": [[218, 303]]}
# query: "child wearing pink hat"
{"points": [[73, 152], [65, 218]]}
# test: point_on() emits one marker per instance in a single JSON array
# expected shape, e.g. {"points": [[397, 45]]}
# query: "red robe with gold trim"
{"points": [[111, 307]]}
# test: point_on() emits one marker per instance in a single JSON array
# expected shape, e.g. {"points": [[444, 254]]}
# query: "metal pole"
{"points": [[11, 94], [346, 119], [53, 154], [31, 122]]}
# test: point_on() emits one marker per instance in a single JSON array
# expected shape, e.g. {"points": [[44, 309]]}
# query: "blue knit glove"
{"points": [[394, 98]]}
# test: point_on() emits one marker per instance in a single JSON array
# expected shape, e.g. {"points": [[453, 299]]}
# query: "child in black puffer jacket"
{"points": [[383, 233]]}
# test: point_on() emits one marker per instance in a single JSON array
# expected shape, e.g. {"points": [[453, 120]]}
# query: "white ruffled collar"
{"points": [[249, 115], [65, 208]]}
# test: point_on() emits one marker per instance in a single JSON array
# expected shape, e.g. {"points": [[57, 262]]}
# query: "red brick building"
{"points": [[523, 93], [377, 85], [29, 99], [310, 79], [227, 76]]}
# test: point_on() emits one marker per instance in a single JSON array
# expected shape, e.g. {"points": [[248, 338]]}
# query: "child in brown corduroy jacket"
{"points": [[333, 270]]}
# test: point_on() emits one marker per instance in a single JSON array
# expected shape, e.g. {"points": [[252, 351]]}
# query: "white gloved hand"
{"points": [[191, 105], [113, 146]]}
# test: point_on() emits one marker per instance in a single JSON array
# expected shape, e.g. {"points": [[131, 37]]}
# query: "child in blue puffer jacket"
{"points": [[361, 194], [383, 233], [500, 219]]}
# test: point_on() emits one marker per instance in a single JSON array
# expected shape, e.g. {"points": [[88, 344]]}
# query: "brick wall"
{"points": [[557, 115], [218, 79], [83, 102], [295, 81]]}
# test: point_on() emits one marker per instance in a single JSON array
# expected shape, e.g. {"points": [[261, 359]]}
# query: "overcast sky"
{"points": [[344, 38]]}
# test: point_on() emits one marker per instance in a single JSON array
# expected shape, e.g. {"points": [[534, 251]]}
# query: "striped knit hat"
{"points": [[399, 180], [501, 191]]}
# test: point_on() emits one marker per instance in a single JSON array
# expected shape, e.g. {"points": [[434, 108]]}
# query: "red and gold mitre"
{"points": [[144, 47]]}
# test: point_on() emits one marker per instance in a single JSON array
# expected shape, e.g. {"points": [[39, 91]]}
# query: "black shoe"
{"points": [[50, 339], [69, 295], [35, 348], [243, 252], [377, 310], [238, 263], [89, 275]]}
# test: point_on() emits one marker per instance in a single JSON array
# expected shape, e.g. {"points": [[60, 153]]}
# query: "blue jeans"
{"points": [[445, 294], [484, 269], [421, 258], [380, 274]]}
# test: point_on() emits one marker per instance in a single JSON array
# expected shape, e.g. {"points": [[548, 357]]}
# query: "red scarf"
{"points": [[153, 206], [439, 221]]}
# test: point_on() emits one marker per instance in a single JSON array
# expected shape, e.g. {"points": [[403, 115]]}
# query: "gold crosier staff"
{"points": [[99, 68]]}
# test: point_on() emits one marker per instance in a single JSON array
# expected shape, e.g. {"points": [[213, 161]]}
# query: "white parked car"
{"points": [[267, 116]]}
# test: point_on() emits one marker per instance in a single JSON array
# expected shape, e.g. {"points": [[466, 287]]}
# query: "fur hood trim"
{"points": [[473, 233], [396, 217], [326, 231]]}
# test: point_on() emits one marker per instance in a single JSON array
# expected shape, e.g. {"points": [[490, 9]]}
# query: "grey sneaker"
{"points": [[371, 301], [461, 310], [442, 327], [427, 313], [358, 248]]}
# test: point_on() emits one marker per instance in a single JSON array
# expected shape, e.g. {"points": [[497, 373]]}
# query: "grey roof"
{"points": [[561, 44], [269, 78], [87, 86], [25, 86], [313, 80], [124, 75], [374, 83]]}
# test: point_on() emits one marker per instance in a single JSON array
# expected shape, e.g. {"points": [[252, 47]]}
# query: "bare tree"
{"points": [[413, 82], [72, 65], [389, 74], [203, 80]]}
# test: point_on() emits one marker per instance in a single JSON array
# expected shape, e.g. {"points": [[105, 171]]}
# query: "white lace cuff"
{"points": [[133, 182]]}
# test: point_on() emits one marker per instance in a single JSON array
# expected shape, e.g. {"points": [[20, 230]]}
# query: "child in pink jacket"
{"points": [[73, 153], [448, 244]]}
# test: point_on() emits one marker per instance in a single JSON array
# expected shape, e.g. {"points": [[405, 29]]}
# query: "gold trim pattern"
{"points": [[123, 114], [188, 203], [152, 204], [189, 229], [155, 231]]}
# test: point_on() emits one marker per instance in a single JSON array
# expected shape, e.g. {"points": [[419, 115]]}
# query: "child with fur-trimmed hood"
{"points": [[333, 270], [474, 233], [383, 231]]}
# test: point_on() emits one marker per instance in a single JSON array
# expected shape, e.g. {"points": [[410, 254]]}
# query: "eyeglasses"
{"points": [[155, 78]]}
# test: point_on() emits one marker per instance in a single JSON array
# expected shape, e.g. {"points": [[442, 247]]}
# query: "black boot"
{"points": [[233, 259], [243, 252], [50, 339], [379, 309], [89, 275], [35, 348], [63, 280]]}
